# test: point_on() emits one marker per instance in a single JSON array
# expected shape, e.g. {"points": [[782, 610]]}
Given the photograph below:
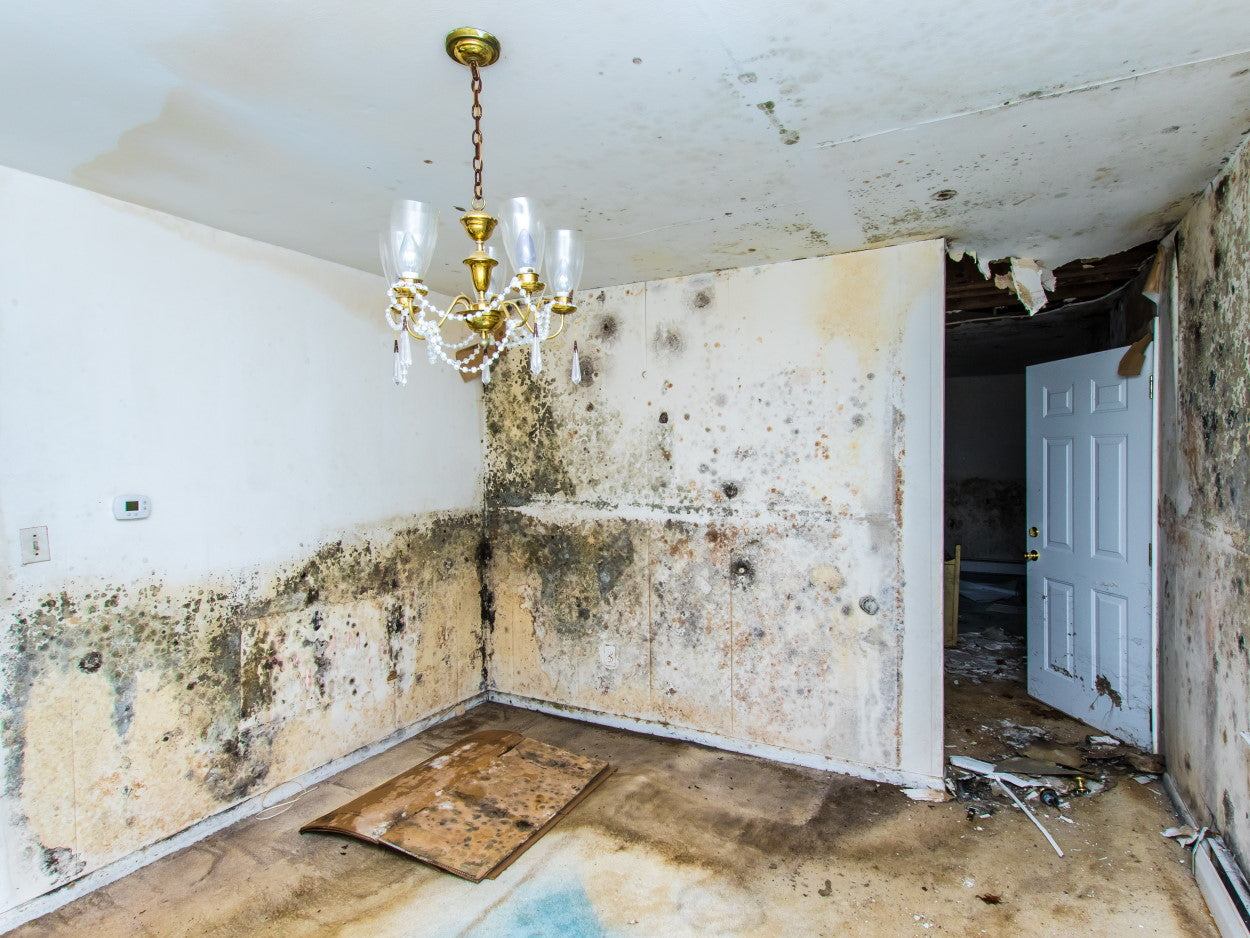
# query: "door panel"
{"points": [[1057, 495], [1089, 453]]}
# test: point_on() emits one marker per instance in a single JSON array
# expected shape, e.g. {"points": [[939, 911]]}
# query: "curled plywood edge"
{"points": [[472, 808]]}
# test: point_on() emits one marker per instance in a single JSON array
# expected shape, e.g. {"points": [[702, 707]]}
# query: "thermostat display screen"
{"points": [[131, 507]]}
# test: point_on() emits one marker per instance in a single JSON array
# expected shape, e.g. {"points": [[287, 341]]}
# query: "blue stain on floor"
{"points": [[561, 912]]}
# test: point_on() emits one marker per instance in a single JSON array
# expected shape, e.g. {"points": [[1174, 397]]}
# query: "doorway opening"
{"points": [[990, 341]]}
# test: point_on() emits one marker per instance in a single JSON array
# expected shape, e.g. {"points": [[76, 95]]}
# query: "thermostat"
{"points": [[131, 507]]}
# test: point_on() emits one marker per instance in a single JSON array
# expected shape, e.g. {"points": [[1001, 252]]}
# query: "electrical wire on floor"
{"points": [[281, 798]]}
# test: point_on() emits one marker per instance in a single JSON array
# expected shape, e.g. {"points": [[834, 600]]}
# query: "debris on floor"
{"points": [[988, 655], [474, 807], [1054, 775]]}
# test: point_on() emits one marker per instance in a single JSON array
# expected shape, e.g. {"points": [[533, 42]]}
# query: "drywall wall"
{"points": [[985, 466], [1205, 513], [731, 527], [307, 581]]}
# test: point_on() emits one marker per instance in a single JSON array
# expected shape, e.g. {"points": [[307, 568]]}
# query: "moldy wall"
{"points": [[730, 528], [307, 582], [1205, 514]]}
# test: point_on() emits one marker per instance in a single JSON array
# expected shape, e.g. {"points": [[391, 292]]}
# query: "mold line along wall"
{"points": [[731, 527], [1205, 513], [307, 583]]}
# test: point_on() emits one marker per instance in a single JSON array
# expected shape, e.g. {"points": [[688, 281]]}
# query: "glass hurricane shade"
{"points": [[523, 234], [566, 250], [409, 244]]}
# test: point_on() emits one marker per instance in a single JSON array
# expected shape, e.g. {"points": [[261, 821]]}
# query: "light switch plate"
{"points": [[35, 547]]}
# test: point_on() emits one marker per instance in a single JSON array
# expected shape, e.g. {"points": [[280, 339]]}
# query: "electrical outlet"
{"points": [[607, 656], [35, 547]]}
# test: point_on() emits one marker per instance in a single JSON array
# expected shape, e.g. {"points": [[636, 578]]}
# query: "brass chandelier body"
{"points": [[520, 314]]}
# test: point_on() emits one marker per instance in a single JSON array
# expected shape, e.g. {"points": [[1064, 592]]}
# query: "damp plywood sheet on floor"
{"points": [[681, 840], [474, 807]]}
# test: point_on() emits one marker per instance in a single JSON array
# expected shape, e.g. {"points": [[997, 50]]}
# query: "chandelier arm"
{"points": [[563, 320], [518, 310]]}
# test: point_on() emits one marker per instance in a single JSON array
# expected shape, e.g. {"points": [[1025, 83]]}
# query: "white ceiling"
{"points": [[682, 136]]}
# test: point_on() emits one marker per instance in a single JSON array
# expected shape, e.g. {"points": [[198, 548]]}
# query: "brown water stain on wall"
{"points": [[181, 700]]}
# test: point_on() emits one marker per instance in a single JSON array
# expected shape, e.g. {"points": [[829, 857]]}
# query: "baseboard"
{"points": [[96, 879], [1223, 887], [717, 741], [1221, 881]]}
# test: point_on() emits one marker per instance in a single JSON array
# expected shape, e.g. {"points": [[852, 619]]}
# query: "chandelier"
{"points": [[518, 315]]}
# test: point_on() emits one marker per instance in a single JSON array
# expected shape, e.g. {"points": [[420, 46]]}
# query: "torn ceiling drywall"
{"points": [[681, 137]]}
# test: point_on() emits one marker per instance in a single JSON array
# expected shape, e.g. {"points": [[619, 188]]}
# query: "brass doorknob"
{"points": [[1032, 555]]}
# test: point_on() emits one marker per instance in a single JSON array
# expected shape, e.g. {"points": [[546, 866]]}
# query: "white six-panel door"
{"points": [[1090, 499]]}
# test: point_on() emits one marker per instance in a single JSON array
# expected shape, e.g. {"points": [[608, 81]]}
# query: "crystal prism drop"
{"points": [[576, 373], [485, 371], [536, 356], [400, 373], [405, 347]]}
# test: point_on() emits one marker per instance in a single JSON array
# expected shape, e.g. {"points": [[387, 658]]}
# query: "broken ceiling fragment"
{"points": [[1029, 280]]}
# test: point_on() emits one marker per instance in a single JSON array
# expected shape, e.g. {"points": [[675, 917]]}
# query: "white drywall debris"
{"points": [[1186, 836], [1032, 817], [927, 794], [1029, 280], [969, 764]]}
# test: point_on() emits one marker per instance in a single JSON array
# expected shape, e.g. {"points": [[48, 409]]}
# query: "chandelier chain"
{"points": [[475, 83]]}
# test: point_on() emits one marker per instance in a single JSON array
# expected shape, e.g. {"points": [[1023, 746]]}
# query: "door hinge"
{"points": [[1152, 387], [1150, 554]]}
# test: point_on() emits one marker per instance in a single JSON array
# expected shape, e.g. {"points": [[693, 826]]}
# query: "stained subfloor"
{"points": [[684, 840]]}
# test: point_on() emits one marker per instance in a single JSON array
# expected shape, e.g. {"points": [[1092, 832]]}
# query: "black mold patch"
{"points": [[588, 371], [486, 603], [742, 572], [730, 489], [239, 765], [667, 341], [608, 329], [523, 458], [702, 299], [90, 662], [60, 864], [580, 567]]}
